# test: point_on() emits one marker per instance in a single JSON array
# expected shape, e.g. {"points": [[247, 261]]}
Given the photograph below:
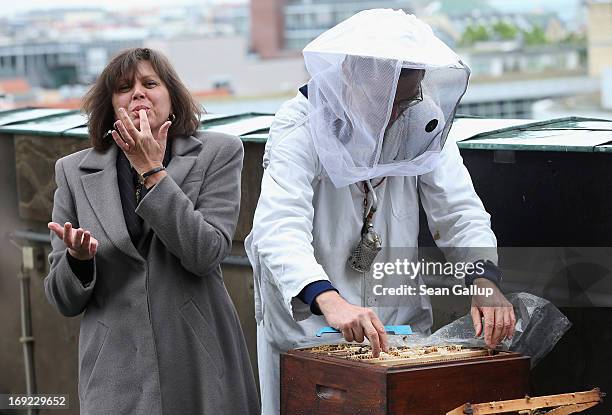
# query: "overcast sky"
{"points": [[9, 7]]}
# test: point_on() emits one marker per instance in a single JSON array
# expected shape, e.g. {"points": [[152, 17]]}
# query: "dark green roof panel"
{"points": [[241, 126], [28, 114], [53, 125], [560, 135], [572, 134]]}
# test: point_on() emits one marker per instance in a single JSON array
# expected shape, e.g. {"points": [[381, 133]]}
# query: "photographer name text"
{"points": [[458, 289]]}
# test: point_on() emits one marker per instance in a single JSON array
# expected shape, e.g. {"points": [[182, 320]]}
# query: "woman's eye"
{"points": [[123, 88], [151, 84]]}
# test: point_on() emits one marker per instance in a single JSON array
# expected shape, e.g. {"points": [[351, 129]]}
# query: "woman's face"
{"points": [[146, 91]]}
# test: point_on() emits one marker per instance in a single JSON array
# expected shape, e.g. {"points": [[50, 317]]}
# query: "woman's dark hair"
{"points": [[98, 106]]}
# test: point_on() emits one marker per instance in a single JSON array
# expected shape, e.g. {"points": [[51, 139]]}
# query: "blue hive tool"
{"points": [[397, 330]]}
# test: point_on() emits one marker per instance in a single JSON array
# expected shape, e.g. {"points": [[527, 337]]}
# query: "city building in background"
{"points": [[14, 91], [245, 56], [599, 36], [284, 27], [600, 47], [56, 63], [59, 52], [234, 72]]}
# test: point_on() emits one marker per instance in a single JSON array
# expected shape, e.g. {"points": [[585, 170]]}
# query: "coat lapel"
{"points": [[102, 191]]}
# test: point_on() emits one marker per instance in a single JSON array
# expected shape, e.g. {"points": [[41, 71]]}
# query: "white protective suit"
{"points": [[305, 228]]}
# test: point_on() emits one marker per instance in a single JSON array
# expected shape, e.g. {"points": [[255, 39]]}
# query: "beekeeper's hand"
{"points": [[498, 313], [354, 322]]}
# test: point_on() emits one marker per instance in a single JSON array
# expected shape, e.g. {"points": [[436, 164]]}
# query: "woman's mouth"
{"points": [[136, 110]]}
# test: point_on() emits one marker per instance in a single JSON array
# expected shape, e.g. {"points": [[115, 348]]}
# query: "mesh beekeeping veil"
{"points": [[361, 129]]}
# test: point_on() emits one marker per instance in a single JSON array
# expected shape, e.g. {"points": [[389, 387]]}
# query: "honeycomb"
{"points": [[403, 355]]}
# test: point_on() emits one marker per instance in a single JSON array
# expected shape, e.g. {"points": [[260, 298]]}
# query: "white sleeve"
{"points": [[282, 226], [455, 214]]}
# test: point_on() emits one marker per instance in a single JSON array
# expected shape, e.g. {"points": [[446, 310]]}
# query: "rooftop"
{"points": [[570, 134]]}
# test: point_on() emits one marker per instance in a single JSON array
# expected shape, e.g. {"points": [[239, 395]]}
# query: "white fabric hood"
{"points": [[358, 131]]}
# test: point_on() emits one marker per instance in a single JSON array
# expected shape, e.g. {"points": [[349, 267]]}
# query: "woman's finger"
{"points": [[86, 240], [78, 239], [162, 136], [93, 247], [122, 144], [129, 139], [57, 229], [68, 234], [144, 122], [127, 122]]}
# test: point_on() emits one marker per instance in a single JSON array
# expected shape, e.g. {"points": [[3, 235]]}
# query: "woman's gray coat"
{"points": [[159, 335]]}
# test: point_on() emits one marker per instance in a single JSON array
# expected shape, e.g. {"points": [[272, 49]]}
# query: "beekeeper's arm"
{"points": [[282, 234], [462, 229]]}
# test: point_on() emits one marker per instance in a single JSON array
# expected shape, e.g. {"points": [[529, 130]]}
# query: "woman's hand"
{"points": [[81, 245], [144, 151]]}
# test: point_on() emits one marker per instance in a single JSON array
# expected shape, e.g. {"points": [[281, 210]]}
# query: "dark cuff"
{"points": [[83, 269], [143, 193], [484, 269], [311, 291]]}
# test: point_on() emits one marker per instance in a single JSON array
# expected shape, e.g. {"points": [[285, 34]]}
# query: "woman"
{"points": [[141, 222]]}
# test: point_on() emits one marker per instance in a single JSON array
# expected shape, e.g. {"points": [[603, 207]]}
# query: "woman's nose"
{"points": [[138, 92]]}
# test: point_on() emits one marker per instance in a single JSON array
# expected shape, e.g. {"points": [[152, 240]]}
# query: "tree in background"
{"points": [[574, 38], [535, 36], [473, 34], [505, 31]]}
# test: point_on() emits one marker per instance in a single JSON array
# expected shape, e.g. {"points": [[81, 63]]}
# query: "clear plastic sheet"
{"points": [[539, 326]]}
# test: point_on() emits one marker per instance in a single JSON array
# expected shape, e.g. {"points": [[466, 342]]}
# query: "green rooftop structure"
{"points": [[563, 134], [570, 134], [67, 123]]}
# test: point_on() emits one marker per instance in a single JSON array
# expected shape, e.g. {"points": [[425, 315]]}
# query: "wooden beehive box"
{"points": [[344, 379]]}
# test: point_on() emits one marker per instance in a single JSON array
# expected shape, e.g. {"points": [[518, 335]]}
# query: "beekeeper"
{"points": [[346, 163]]}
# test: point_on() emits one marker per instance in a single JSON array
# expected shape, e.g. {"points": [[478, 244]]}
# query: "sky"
{"points": [[11, 7], [565, 8], [558, 5]]}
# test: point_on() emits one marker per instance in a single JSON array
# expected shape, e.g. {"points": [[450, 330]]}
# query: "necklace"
{"points": [[367, 215]]}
